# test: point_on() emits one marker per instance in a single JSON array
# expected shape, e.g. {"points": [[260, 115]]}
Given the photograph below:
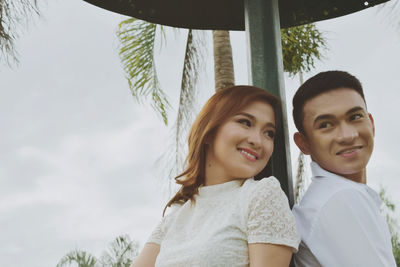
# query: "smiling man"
{"points": [[339, 216]]}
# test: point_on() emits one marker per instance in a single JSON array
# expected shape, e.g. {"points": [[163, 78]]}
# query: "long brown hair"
{"points": [[221, 106]]}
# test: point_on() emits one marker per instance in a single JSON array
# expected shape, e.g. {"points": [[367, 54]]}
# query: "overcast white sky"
{"points": [[78, 158]]}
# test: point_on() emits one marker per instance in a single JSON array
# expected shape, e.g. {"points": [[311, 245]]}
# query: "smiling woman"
{"points": [[221, 215], [242, 145]]}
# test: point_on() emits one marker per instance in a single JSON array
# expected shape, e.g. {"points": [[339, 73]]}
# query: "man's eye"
{"points": [[245, 122], [356, 116], [324, 125]]}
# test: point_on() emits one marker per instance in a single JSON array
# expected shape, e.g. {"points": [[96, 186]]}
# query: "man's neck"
{"points": [[360, 177]]}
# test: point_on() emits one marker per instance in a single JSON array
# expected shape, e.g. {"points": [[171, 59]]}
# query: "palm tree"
{"points": [[300, 183], [120, 253], [223, 63], [388, 210], [301, 46], [81, 258], [13, 15]]}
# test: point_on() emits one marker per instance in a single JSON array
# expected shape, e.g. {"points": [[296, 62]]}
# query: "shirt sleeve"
{"points": [[158, 233], [350, 232], [161, 229], [270, 219]]}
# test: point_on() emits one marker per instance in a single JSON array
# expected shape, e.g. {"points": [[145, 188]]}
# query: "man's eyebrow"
{"points": [[268, 124], [355, 109], [331, 117], [323, 117]]}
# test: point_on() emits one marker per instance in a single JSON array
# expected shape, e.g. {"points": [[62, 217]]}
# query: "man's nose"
{"points": [[346, 133]]}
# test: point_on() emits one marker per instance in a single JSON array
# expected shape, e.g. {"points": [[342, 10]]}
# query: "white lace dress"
{"points": [[216, 229]]}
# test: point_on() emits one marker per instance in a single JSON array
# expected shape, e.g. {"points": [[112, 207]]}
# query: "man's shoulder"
{"points": [[321, 192], [323, 189]]}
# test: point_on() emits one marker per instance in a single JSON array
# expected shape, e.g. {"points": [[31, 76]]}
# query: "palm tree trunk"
{"points": [[223, 64], [300, 179]]}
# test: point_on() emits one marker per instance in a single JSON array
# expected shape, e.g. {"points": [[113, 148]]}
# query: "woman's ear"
{"points": [[302, 143], [207, 141], [209, 138]]}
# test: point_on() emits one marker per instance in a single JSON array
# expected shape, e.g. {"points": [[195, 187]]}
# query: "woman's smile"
{"points": [[249, 154]]}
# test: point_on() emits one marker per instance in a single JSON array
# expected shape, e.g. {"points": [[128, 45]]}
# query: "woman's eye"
{"points": [[356, 116], [270, 134], [324, 125], [245, 122]]}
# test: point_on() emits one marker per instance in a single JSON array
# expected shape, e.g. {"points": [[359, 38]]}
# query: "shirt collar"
{"points": [[214, 190], [319, 172]]}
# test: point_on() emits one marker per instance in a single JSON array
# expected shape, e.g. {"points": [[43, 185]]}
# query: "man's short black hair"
{"points": [[318, 84]]}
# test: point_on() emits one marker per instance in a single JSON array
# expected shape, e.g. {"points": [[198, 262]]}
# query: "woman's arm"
{"points": [[148, 256], [266, 255]]}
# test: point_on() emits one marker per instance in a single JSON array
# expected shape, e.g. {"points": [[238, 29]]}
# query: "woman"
{"points": [[222, 216]]}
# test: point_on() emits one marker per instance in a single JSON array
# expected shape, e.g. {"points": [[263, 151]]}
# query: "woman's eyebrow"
{"points": [[247, 115], [268, 124]]}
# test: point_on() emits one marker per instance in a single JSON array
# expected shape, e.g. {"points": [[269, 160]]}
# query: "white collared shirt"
{"points": [[340, 224]]}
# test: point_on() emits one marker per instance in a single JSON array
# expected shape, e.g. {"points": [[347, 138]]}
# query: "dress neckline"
{"points": [[213, 190]]}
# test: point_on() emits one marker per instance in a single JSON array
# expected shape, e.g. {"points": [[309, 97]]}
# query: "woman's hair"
{"points": [[221, 106]]}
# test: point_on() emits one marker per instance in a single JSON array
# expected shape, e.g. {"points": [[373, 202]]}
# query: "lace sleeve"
{"points": [[158, 233], [270, 219]]}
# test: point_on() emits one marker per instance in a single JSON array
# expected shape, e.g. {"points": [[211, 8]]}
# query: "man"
{"points": [[339, 216]]}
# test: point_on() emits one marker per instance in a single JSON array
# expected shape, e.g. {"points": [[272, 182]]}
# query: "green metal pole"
{"points": [[266, 71]]}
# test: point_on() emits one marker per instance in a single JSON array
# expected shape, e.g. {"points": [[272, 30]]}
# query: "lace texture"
{"points": [[216, 230], [270, 218]]}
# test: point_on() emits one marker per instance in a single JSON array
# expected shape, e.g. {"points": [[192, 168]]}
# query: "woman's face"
{"points": [[242, 145]]}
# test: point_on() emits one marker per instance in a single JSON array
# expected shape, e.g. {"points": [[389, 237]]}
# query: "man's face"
{"points": [[339, 133]]}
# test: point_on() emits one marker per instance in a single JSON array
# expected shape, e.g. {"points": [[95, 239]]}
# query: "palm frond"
{"points": [[191, 69], [386, 200], [388, 210], [137, 40], [81, 258], [120, 253], [195, 52], [301, 47], [14, 15]]}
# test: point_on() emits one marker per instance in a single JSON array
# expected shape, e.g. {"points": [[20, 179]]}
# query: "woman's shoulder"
{"points": [[265, 184], [262, 191], [172, 210]]}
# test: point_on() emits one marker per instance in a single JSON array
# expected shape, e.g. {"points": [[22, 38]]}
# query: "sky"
{"points": [[79, 163]]}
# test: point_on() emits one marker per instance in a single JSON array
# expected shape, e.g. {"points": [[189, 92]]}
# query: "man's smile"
{"points": [[349, 151]]}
